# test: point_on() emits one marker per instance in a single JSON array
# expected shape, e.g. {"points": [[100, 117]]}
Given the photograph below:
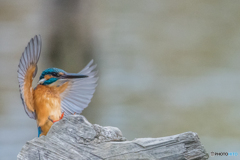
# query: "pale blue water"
{"points": [[165, 68]]}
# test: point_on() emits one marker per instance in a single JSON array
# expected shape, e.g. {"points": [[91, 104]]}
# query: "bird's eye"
{"points": [[55, 74]]}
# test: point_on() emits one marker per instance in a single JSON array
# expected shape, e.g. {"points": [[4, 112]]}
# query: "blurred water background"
{"points": [[165, 67]]}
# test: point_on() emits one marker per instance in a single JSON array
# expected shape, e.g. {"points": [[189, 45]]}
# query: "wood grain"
{"points": [[75, 138]]}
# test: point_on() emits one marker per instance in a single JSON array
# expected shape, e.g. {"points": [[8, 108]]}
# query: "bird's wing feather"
{"points": [[27, 70], [79, 92]]}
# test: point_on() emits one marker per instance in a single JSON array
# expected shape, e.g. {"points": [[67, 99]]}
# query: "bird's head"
{"points": [[52, 75]]}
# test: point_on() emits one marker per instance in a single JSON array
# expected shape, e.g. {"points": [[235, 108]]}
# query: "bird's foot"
{"points": [[59, 118]]}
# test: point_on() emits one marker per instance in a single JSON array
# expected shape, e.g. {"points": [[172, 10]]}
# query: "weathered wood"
{"points": [[75, 138]]}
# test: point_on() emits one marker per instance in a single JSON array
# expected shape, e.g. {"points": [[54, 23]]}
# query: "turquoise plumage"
{"points": [[57, 92]]}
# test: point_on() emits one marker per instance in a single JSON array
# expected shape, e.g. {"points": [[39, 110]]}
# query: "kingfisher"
{"points": [[57, 93]]}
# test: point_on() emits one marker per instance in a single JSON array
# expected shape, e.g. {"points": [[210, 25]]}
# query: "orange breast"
{"points": [[47, 104]]}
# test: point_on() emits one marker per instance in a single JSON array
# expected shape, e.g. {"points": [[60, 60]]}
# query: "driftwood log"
{"points": [[75, 138]]}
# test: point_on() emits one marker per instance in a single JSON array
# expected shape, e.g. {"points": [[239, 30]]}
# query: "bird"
{"points": [[58, 93]]}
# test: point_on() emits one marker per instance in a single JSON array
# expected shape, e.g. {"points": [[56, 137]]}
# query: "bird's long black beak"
{"points": [[73, 75]]}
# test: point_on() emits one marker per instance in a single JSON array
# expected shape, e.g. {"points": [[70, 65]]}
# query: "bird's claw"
{"points": [[59, 118]]}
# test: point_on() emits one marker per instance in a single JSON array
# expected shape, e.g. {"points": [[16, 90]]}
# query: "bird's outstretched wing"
{"points": [[79, 92], [27, 70]]}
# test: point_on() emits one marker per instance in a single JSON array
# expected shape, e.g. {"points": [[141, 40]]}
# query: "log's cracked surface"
{"points": [[75, 138]]}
